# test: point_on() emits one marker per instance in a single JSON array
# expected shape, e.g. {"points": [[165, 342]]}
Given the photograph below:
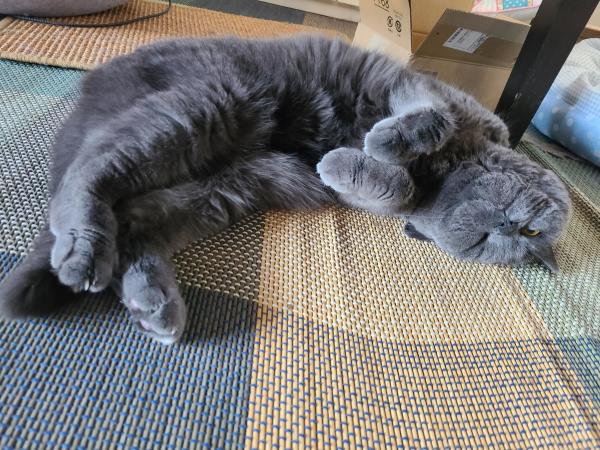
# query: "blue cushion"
{"points": [[570, 112]]}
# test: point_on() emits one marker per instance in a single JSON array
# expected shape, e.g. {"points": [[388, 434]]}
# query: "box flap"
{"points": [[475, 39], [425, 13], [369, 39], [390, 18], [485, 83], [417, 40]]}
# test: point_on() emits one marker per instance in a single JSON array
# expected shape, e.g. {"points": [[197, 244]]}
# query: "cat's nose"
{"points": [[508, 228]]}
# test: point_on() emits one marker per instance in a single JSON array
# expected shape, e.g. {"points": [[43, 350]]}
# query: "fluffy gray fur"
{"points": [[180, 139]]}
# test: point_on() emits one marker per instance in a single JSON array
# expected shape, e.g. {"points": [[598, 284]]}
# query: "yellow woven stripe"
{"points": [[228, 262], [84, 48], [364, 336], [314, 387], [358, 272]]}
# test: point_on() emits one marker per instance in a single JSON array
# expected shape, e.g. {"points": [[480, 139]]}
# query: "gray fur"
{"points": [[182, 138]]}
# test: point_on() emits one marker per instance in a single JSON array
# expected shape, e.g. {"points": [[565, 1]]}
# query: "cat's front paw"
{"points": [[341, 169], [399, 139], [84, 252], [83, 258], [365, 182]]}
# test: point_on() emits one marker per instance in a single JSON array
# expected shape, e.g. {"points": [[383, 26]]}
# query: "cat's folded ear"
{"points": [[412, 232], [545, 255]]}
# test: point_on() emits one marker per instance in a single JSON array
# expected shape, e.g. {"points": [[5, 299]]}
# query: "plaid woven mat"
{"points": [[319, 329]]}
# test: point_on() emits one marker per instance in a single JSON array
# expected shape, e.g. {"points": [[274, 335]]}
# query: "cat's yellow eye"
{"points": [[529, 232]]}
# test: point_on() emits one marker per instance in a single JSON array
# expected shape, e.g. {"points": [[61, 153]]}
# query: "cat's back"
{"points": [[306, 60], [316, 92]]}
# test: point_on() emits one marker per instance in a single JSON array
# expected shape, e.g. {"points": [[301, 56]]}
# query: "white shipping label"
{"points": [[465, 40]]}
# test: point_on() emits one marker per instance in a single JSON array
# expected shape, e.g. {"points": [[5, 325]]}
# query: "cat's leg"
{"points": [[33, 288], [145, 279], [366, 183], [154, 225], [149, 290], [418, 129], [162, 139]]}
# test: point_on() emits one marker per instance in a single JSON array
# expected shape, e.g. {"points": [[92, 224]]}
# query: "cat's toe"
{"points": [[158, 313], [385, 142], [400, 139], [340, 169], [83, 261]]}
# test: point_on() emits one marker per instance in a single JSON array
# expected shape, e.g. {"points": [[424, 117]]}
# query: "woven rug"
{"points": [[84, 48], [306, 330]]}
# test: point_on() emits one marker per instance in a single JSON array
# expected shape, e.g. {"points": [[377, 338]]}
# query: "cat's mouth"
{"points": [[480, 242]]}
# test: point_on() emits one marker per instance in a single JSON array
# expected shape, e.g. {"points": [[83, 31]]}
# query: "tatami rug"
{"points": [[84, 48], [322, 329]]}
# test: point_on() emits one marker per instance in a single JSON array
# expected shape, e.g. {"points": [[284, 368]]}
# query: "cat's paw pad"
{"points": [[83, 259], [340, 169], [157, 311], [399, 139]]}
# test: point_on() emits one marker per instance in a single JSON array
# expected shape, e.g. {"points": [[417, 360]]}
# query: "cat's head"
{"points": [[501, 209]]}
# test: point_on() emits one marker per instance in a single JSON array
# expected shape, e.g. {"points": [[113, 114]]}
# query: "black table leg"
{"points": [[554, 32]]}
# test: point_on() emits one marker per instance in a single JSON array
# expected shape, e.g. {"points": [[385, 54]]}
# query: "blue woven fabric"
{"points": [[83, 378]]}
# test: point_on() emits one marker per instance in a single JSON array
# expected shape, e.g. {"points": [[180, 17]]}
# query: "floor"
{"points": [[261, 10]]}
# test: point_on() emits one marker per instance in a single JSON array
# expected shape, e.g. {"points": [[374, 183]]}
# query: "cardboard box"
{"points": [[594, 22], [473, 52]]}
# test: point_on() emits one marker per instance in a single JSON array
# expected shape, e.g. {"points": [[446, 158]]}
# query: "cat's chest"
{"points": [[312, 122]]}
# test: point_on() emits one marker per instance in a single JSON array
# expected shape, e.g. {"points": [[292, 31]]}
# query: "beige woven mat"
{"points": [[84, 48]]}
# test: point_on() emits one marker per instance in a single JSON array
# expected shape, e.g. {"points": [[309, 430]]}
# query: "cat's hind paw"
{"points": [[166, 323], [155, 305], [342, 169]]}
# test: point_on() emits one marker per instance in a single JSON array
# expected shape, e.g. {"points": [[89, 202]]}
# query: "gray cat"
{"points": [[180, 139]]}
